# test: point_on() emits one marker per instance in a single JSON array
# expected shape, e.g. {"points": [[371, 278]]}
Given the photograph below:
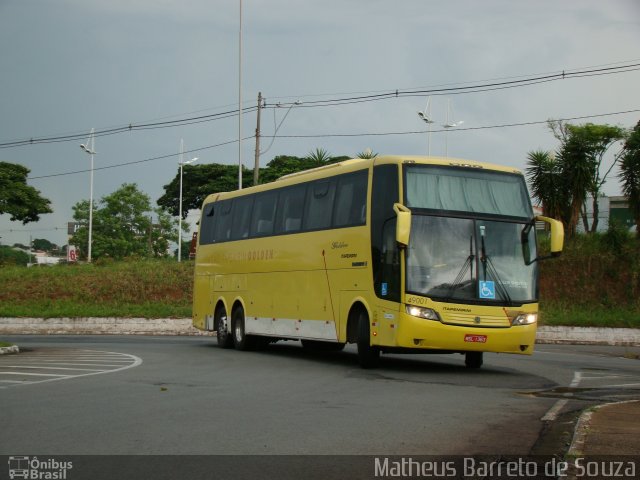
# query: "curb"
{"points": [[626, 337], [98, 326], [583, 428]]}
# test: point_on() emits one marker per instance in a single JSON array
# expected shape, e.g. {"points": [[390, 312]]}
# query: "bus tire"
{"points": [[368, 355], [473, 359], [241, 340], [225, 339]]}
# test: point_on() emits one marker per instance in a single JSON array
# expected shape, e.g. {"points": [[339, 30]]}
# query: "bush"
{"points": [[10, 256]]}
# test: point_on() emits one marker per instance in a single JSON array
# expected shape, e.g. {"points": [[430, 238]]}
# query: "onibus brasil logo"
{"points": [[32, 468]]}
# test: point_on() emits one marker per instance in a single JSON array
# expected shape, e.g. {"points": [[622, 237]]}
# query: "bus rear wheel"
{"points": [[241, 340], [473, 359], [225, 340], [368, 355]]}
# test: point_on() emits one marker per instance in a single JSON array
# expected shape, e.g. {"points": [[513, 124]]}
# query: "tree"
{"points": [[198, 181], [546, 181], [581, 155], [367, 154], [44, 245], [564, 181], [319, 155], [11, 256], [201, 180], [123, 225], [18, 199], [630, 174]]}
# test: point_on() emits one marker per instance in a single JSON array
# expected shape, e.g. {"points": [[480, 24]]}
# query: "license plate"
{"points": [[475, 338]]}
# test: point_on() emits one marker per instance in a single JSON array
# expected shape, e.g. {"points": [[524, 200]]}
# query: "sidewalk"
{"points": [[612, 429]]}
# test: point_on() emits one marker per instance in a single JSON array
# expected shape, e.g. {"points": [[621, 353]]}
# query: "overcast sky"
{"points": [[70, 65]]}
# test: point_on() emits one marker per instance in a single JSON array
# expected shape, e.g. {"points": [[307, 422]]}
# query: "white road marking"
{"points": [[53, 368], [553, 412], [72, 359]]}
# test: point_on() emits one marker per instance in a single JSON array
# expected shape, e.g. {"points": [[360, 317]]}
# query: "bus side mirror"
{"points": [[557, 239], [403, 224], [557, 234]]}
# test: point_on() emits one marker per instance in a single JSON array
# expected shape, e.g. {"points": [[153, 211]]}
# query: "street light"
{"points": [[426, 117], [89, 148], [239, 100], [180, 208]]}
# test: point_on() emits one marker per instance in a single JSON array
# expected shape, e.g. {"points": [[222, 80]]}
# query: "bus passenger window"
{"points": [[319, 205], [264, 209], [290, 208], [207, 225], [351, 200], [241, 214], [223, 223]]}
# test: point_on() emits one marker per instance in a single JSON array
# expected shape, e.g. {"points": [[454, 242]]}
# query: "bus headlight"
{"points": [[422, 312], [525, 319]]}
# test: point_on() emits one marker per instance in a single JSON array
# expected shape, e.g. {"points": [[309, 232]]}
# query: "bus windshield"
{"points": [[466, 235], [467, 190], [469, 260]]}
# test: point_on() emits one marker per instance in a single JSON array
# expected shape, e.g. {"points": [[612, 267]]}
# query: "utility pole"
{"points": [[256, 168], [150, 236]]}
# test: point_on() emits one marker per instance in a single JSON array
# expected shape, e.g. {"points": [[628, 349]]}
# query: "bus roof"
{"points": [[357, 164]]}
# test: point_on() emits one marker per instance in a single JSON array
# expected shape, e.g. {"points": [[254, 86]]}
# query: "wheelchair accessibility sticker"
{"points": [[487, 289]]}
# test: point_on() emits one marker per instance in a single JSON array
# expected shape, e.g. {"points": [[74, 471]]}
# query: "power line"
{"points": [[329, 135], [135, 162], [454, 90], [484, 127]]}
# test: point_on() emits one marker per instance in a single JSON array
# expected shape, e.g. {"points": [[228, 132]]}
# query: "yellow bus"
{"points": [[394, 254]]}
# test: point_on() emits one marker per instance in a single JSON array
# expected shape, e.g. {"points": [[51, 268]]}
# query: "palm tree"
{"points": [[319, 156], [367, 154], [545, 180], [630, 174]]}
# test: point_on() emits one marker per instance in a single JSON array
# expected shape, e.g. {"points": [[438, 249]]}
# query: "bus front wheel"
{"points": [[368, 355], [225, 339]]}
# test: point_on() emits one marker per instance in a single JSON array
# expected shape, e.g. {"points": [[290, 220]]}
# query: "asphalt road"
{"points": [[117, 395]]}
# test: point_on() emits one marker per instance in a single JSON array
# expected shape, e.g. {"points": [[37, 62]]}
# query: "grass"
{"points": [[5, 344], [147, 289], [583, 316]]}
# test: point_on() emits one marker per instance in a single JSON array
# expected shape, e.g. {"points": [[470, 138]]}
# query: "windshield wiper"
{"points": [[468, 265]]}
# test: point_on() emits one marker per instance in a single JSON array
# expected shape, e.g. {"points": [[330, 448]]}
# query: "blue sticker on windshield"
{"points": [[487, 289], [384, 289]]}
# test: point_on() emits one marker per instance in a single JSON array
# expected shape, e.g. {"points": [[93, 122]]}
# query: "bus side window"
{"points": [[223, 222], [264, 209], [207, 225], [319, 204], [241, 214], [351, 200], [290, 208]]}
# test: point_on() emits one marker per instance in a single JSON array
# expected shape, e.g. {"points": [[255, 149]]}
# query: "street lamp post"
{"points": [[89, 148], [426, 117], [240, 100], [182, 164]]}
